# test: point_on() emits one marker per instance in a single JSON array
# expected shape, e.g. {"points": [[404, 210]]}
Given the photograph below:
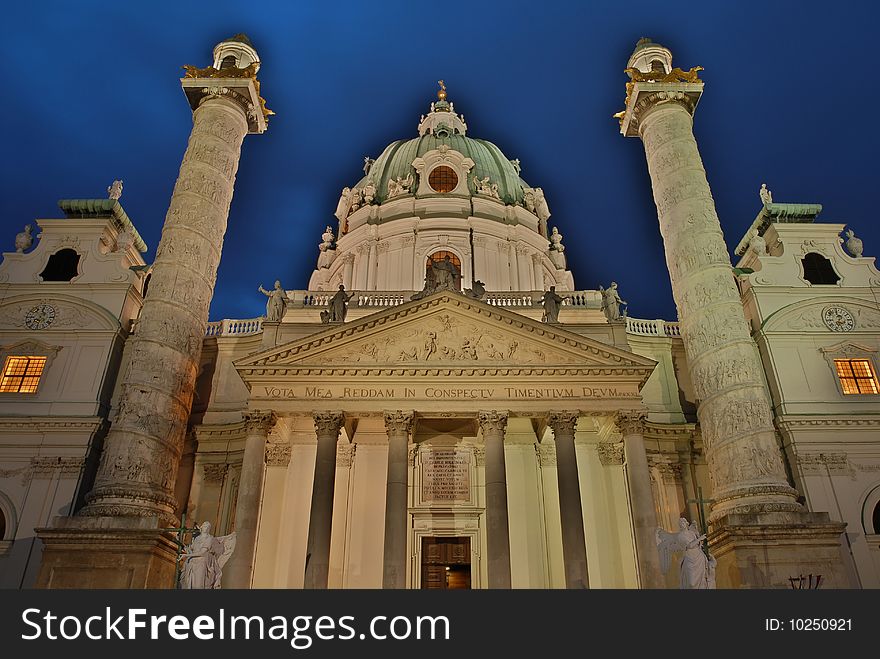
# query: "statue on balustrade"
{"points": [[611, 303], [551, 301], [277, 302], [338, 305]]}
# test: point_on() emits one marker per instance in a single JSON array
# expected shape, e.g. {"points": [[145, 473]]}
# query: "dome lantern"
{"points": [[649, 56], [442, 121]]}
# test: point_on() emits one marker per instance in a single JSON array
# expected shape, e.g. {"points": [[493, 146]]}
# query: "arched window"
{"points": [[228, 62], [876, 518], [62, 266], [657, 65], [440, 257], [3, 524], [818, 270]]}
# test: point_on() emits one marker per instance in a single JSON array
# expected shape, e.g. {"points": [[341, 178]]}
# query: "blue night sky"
{"points": [[92, 93]]}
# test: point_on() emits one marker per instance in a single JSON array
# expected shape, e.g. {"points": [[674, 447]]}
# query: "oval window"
{"points": [[443, 179]]}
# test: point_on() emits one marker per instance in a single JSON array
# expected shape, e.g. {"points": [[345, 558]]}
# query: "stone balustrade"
{"points": [[383, 299]]}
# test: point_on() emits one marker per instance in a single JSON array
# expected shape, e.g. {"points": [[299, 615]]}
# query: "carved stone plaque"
{"points": [[446, 475]]}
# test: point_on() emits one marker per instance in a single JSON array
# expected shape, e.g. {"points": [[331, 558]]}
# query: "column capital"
{"points": [[238, 85], [630, 422], [563, 423], [398, 422], [493, 421], [278, 455], [328, 423], [648, 89], [259, 422]]}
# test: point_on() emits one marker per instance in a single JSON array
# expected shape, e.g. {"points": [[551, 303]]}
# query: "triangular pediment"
{"points": [[447, 331]]}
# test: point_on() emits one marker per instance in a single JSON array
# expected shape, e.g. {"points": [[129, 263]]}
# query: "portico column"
{"points": [[398, 425], [641, 498], [574, 546], [250, 494], [493, 425], [327, 426]]}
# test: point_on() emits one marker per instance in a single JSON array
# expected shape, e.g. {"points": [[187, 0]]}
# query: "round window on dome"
{"points": [[443, 179]]}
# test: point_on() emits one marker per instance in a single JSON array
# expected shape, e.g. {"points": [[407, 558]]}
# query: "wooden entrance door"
{"points": [[446, 563]]}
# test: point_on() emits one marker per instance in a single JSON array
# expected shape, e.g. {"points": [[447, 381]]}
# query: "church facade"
{"points": [[441, 407]]}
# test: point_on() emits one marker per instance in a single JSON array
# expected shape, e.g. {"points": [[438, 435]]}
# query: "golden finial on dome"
{"points": [[442, 93]]}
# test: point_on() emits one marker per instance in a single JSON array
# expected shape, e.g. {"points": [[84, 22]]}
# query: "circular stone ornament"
{"points": [[40, 317], [838, 319]]}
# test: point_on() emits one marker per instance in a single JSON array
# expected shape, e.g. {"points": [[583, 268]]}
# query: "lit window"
{"points": [[443, 179], [856, 376], [21, 375]]}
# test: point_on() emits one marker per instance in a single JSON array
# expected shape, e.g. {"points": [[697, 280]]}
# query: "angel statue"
{"points": [[204, 558], [115, 190], [697, 569]]}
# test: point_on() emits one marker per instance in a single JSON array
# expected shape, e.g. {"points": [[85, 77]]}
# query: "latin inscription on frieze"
{"points": [[446, 393], [446, 475]]}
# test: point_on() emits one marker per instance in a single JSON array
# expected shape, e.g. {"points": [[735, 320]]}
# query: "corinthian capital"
{"points": [[259, 422], [398, 422], [562, 423], [493, 421], [328, 423], [630, 423]]}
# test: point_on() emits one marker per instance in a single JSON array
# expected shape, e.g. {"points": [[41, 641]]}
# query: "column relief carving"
{"points": [[278, 455], [546, 454], [610, 453], [345, 454], [214, 472]]}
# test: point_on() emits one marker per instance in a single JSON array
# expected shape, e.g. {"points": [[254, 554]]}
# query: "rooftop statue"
{"points": [[338, 305], [766, 195], [327, 239], [551, 302], [556, 241], [24, 239], [398, 186], [757, 244], [277, 302], [485, 188], [611, 302], [478, 291], [115, 190], [445, 274], [368, 164]]}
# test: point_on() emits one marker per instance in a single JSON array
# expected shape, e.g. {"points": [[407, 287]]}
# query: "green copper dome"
{"points": [[396, 160]]}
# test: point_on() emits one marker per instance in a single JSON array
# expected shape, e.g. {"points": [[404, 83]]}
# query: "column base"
{"points": [[767, 550], [106, 552]]}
